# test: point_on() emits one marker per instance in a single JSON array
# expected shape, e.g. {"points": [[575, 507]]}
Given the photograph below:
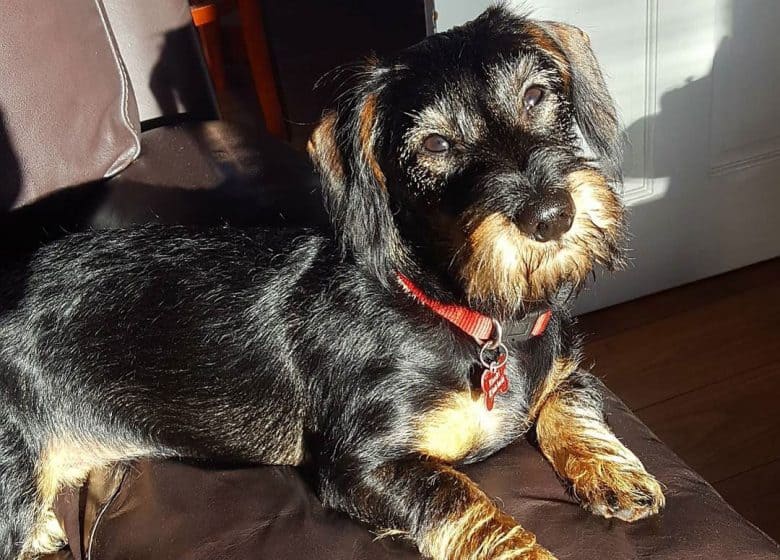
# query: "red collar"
{"points": [[480, 327], [493, 353]]}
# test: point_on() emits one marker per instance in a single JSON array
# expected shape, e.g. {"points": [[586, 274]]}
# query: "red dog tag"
{"points": [[494, 381]]}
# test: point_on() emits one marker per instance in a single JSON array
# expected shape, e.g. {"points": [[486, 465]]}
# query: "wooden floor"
{"points": [[700, 365]]}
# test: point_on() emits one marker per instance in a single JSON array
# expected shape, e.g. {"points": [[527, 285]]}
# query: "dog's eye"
{"points": [[532, 97], [436, 144]]}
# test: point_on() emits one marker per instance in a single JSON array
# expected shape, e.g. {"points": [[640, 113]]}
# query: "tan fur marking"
{"points": [[461, 424], [504, 265], [548, 45], [572, 38], [366, 134], [66, 462], [562, 367], [480, 532], [294, 455], [48, 536], [323, 149], [606, 477], [594, 199]]}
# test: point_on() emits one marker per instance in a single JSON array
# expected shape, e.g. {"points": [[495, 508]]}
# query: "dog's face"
{"points": [[460, 158]]}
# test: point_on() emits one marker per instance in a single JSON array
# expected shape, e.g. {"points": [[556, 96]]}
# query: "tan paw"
{"points": [[617, 489]]}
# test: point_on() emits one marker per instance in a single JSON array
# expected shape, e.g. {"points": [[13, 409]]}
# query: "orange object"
{"points": [[206, 20], [205, 16], [259, 56]]}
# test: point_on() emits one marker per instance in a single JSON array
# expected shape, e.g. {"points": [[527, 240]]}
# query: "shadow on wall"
{"points": [[735, 100], [10, 173], [179, 80], [679, 134], [710, 163]]}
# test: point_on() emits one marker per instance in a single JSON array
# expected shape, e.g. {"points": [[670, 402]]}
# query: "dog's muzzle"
{"points": [[547, 217]]}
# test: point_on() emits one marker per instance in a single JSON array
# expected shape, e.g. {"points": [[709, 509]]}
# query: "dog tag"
{"points": [[494, 381]]}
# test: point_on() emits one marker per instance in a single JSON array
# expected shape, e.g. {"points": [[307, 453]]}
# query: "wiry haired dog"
{"points": [[428, 328]]}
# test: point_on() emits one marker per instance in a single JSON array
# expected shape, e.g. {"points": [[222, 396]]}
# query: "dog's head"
{"points": [[460, 157]]}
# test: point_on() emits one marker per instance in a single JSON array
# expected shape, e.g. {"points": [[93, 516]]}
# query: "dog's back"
{"points": [[143, 342]]}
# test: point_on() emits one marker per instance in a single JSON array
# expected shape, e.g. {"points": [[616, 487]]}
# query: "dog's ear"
{"points": [[344, 148], [594, 108]]}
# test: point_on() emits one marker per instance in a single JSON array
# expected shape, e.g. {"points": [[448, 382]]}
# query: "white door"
{"points": [[698, 86]]}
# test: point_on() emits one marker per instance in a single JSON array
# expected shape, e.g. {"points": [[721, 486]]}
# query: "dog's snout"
{"points": [[547, 217]]}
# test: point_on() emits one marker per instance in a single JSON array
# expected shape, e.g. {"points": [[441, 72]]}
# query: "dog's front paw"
{"points": [[617, 489]]}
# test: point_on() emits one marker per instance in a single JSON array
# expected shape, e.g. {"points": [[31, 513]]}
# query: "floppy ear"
{"points": [[594, 108], [344, 149]]}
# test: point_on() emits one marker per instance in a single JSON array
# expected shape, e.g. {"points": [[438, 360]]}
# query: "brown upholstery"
{"points": [[194, 173], [173, 510], [67, 111], [212, 173], [160, 48]]}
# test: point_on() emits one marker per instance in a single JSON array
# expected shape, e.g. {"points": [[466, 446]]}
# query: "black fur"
{"points": [[299, 346]]}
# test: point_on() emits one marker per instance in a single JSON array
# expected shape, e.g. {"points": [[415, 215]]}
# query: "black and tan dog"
{"points": [[428, 328]]}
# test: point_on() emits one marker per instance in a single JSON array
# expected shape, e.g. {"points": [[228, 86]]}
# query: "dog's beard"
{"points": [[505, 269]]}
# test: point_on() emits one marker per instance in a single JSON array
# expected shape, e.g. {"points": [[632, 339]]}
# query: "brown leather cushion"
{"points": [[172, 510], [67, 110], [193, 173], [160, 49]]}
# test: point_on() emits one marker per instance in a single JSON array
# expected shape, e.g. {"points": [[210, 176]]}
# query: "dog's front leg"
{"points": [[605, 476], [437, 507]]}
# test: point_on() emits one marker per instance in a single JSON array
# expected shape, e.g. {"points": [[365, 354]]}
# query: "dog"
{"points": [[428, 326]]}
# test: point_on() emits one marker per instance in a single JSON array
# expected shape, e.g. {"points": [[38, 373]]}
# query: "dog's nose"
{"points": [[548, 217]]}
